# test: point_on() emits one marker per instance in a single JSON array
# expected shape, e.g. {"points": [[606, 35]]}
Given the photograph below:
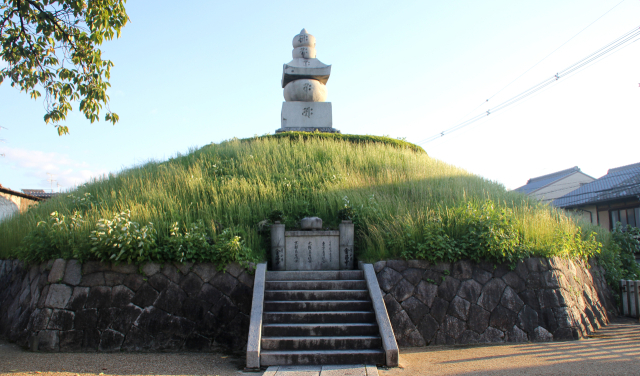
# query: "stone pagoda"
{"points": [[304, 80]]}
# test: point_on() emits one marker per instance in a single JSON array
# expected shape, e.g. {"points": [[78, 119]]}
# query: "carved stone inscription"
{"points": [[315, 251]]}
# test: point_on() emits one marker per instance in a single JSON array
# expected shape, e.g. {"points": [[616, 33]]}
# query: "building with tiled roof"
{"points": [[613, 198], [551, 186], [12, 202]]}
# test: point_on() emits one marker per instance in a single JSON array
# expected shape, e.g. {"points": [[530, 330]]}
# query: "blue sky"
{"points": [[191, 73]]}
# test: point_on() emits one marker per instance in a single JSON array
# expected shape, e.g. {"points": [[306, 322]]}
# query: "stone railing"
{"points": [[65, 306]]}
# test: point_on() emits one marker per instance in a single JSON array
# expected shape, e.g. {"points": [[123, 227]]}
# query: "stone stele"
{"points": [[304, 80]]}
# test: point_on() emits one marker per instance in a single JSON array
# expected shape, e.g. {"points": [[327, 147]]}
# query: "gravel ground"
{"points": [[614, 350]]}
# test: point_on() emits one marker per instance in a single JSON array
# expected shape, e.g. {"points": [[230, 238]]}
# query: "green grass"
{"points": [[397, 191]]}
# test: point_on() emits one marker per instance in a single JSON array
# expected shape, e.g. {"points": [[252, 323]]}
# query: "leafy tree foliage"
{"points": [[52, 45]]}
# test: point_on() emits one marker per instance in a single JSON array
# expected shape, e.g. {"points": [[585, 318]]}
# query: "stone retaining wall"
{"points": [[462, 303], [65, 306]]}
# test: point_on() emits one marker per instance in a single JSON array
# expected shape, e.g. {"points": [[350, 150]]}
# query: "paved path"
{"points": [[614, 350], [344, 370]]}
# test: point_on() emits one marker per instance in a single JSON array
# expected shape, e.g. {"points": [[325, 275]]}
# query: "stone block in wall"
{"points": [[388, 278], [172, 273], [459, 308], [397, 265], [206, 271], [113, 279], [159, 282], [462, 270], [481, 276], [71, 340], [513, 280], [150, 268], [78, 298], [491, 335], [246, 279], [448, 288], [99, 297], [413, 275], [415, 309], [426, 292], [491, 294], [133, 281], [502, 318], [58, 296], [57, 271], [48, 341], [171, 300], [110, 341], [234, 269], [402, 291], [428, 327], [121, 296], [540, 334], [528, 319], [470, 290], [91, 267], [511, 300], [439, 309], [378, 266], [516, 334], [478, 318], [86, 319], [126, 317], [61, 320], [191, 284], [124, 268], [92, 280]]}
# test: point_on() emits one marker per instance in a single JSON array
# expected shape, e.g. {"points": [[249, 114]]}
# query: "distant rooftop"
{"points": [[38, 193], [534, 184], [618, 183]]}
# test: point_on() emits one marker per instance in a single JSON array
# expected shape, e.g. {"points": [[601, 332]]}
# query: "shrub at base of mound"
{"points": [[464, 302], [64, 305]]}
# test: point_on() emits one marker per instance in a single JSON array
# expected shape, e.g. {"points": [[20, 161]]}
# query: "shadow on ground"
{"points": [[613, 350]]}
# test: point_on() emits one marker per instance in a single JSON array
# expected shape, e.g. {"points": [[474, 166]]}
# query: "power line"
{"points": [[541, 60], [624, 39], [552, 52]]}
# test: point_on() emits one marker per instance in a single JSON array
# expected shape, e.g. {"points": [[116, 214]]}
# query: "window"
{"points": [[625, 217]]}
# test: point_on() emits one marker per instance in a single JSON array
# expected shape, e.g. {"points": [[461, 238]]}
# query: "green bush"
{"points": [[618, 260], [52, 238], [122, 240], [482, 231]]}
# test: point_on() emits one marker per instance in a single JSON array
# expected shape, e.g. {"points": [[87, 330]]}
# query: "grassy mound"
{"points": [[215, 203]]}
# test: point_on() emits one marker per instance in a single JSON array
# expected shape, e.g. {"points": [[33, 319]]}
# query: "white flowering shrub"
{"points": [[121, 240]]}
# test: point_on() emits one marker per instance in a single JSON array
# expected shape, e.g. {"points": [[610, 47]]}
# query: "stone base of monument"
{"points": [[306, 117], [312, 249]]}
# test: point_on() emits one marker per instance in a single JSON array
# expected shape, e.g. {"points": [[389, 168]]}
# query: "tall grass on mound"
{"points": [[404, 204]]}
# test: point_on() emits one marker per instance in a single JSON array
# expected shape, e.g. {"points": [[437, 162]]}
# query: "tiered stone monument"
{"points": [[304, 80], [312, 248]]}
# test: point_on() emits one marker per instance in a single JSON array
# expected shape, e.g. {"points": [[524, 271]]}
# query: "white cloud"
{"points": [[67, 172]]}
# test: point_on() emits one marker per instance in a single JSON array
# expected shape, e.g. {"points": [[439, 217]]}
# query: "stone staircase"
{"points": [[319, 317]]}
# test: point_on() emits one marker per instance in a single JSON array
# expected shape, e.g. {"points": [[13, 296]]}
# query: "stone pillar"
{"points": [[277, 246], [346, 245]]}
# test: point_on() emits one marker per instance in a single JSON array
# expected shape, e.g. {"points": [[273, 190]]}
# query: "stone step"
{"points": [[343, 284], [318, 305], [319, 317], [321, 343], [316, 295], [322, 330], [314, 275], [319, 357]]}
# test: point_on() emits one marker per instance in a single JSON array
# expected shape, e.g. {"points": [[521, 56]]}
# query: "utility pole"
{"points": [[51, 180]]}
